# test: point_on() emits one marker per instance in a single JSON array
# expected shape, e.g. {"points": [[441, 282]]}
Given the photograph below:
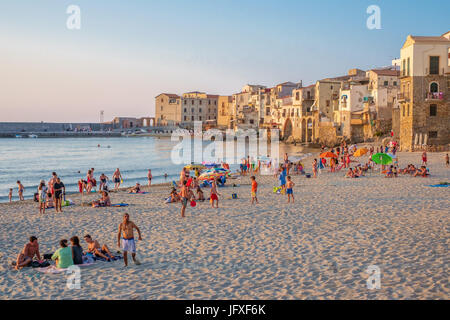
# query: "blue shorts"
{"points": [[289, 191], [129, 245]]}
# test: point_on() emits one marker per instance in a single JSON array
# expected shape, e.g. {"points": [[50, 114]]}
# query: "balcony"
{"points": [[434, 96], [402, 97]]}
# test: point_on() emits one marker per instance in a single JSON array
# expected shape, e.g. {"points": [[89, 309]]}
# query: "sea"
{"points": [[32, 160]]}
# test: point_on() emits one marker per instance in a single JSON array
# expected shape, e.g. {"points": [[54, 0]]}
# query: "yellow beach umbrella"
{"points": [[360, 152]]}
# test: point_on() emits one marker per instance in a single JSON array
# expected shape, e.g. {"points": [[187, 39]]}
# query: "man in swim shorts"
{"points": [[128, 242], [289, 191], [25, 257]]}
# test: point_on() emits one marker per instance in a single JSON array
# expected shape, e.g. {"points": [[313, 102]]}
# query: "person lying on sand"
{"points": [[104, 201], [421, 172], [29, 251], [135, 189], [98, 251]]}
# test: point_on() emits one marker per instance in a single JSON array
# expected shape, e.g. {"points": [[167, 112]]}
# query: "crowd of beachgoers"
{"points": [[189, 190]]}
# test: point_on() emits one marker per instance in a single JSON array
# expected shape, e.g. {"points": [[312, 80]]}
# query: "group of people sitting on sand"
{"points": [[356, 172], [413, 171], [65, 256]]}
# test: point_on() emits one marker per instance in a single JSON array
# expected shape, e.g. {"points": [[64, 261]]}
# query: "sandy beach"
{"points": [[318, 248]]}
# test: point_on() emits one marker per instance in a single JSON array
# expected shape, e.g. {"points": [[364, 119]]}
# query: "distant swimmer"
{"points": [[165, 175], [98, 146]]}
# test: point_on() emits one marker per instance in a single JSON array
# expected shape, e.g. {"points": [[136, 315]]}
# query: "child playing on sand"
{"points": [[49, 202], [289, 191], [314, 168], [21, 189], [254, 189], [10, 194], [214, 194]]}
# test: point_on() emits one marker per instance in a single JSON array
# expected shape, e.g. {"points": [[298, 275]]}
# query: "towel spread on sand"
{"points": [[54, 270], [439, 185]]}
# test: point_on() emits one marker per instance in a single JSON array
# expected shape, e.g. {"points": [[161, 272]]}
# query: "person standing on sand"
{"points": [[42, 192], [185, 195], [447, 164], [10, 194], [314, 168], [214, 194], [21, 190], [128, 242], [182, 176], [60, 190], [424, 158], [254, 190], [51, 182], [149, 177], [117, 177]]}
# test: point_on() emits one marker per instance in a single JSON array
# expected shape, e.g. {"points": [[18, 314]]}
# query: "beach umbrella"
{"points": [[360, 152], [328, 154], [195, 166], [381, 158]]}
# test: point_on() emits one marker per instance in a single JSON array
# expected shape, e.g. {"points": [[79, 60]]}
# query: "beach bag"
{"points": [[48, 256], [234, 196]]}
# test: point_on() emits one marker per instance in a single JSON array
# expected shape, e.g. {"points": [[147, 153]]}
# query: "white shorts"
{"points": [[129, 245]]}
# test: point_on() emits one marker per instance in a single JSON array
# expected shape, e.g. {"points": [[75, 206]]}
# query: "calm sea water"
{"points": [[30, 160]]}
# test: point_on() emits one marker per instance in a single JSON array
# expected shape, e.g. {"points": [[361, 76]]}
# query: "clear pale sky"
{"points": [[127, 52]]}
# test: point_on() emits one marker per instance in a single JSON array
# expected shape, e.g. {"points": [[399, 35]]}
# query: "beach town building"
{"points": [[168, 109], [424, 96], [171, 109], [224, 112]]}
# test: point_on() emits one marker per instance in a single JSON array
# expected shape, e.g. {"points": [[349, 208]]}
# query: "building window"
{"points": [[192, 102], [434, 88], [200, 110], [408, 66], [185, 110], [386, 83], [433, 110], [434, 65], [185, 118], [395, 83], [297, 96], [404, 108], [192, 118], [432, 134], [192, 110], [408, 109], [161, 108], [209, 102], [200, 118], [185, 101], [251, 121], [200, 102], [328, 103]]}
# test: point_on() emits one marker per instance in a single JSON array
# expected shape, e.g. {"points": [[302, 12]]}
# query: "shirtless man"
{"points": [[21, 189], [149, 177], [214, 194], [182, 176], [26, 256], [289, 189], [94, 248], [128, 243], [186, 194], [51, 182], [117, 177]]}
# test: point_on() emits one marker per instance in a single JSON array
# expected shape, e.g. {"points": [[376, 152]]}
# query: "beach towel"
{"points": [[138, 192], [54, 270], [439, 185], [119, 205]]}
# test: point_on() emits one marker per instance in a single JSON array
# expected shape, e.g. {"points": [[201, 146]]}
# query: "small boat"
{"points": [[32, 136], [18, 136]]}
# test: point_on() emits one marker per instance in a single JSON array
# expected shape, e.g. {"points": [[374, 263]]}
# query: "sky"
{"points": [[127, 52]]}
